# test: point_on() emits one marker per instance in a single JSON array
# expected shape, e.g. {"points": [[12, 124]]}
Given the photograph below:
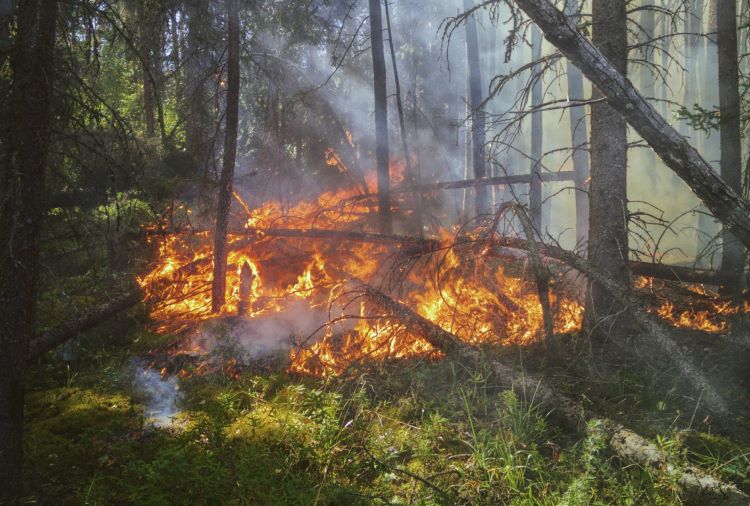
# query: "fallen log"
{"points": [[566, 175], [698, 487], [41, 344], [680, 274], [656, 330], [724, 202]]}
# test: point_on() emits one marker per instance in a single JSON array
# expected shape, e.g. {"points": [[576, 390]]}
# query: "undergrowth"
{"points": [[409, 433]]}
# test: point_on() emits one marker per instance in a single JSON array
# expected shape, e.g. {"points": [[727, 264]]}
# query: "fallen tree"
{"points": [[655, 330], [725, 204], [485, 181], [43, 343], [698, 487]]}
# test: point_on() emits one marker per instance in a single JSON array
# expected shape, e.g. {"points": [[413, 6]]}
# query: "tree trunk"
{"points": [[608, 224], [21, 214], [196, 99], [579, 139], [731, 138], [218, 287], [381, 117], [475, 102], [537, 135], [410, 176], [673, 149]]}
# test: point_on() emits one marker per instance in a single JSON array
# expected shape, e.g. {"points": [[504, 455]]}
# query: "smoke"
{"points": [[265, 335], [160, 395], [433, 78]]}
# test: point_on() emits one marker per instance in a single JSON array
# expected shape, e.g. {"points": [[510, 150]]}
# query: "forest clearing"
{"points": [[384, 252]]}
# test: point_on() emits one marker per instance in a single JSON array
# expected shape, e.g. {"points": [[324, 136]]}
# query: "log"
{"points": [[485, 181], [656, 331], [725, 204], [679, 273], [40, 345], [698, 487]]}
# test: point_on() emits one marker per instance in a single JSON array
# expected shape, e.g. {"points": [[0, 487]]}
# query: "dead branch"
{"points": [[484, 181]]}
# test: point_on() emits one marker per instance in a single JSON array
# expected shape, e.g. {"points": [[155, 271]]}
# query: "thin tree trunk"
{"points": [[402, 126], [608, 227], [725, 204], [475, 102], [731, 138], [21, 215], [537, 135], [381, 118], [218, 287], [579, 139]]}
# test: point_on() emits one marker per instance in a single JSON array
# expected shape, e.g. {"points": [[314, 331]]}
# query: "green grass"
{"points": [[407, 433]]}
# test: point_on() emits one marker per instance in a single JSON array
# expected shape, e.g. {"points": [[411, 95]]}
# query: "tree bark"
{"points": [[381, 117], [608, 223], [579, 139], [21, 213], [218, 286], [477, 114], [731, 137]]}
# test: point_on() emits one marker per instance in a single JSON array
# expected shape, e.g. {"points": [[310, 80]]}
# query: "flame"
{"points": [[707, 313], [473, 296]]}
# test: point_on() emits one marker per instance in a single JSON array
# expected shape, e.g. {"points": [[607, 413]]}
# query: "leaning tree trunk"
{"points": [[725, 204], [26, 144], [381, 117], [731, 137], [579, 139], [218, 287], [475, 102], [608, 225]]}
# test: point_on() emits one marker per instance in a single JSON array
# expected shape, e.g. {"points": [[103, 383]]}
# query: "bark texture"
{"points": [[218, 286], [731, 139], [672, 148], [26, 145], [608, 200]]}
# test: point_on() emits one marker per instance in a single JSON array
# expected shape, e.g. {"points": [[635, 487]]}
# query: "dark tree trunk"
{"points": [[218, 287], [608, 224], [475, 103], [21, 214], [731, 139], [381, 117], [196, 98], [579, 139], [537, 135]]}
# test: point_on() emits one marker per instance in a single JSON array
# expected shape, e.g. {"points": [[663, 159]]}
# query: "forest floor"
{"points": [[406, 432]]}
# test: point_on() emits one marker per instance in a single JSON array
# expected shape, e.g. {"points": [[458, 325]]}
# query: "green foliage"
{"points": [[699, 118]]}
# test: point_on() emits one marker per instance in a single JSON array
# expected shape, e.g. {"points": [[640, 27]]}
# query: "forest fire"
{"points": [[479, 301]]}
